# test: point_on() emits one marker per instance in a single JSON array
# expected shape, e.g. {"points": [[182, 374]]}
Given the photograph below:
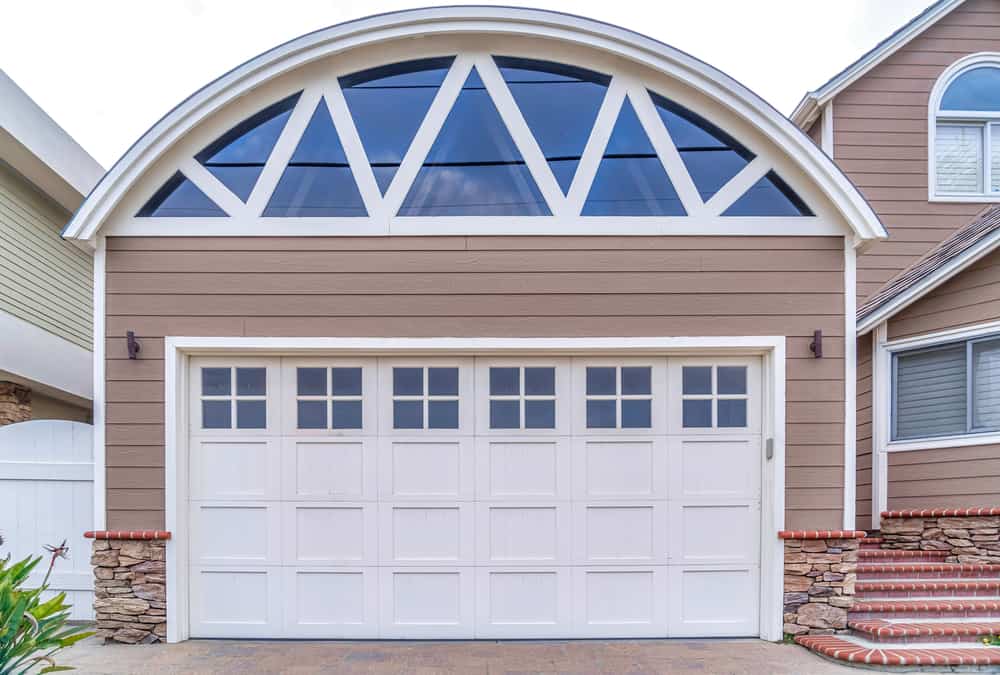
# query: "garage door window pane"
{"points": [[732, 380], [442, 381], [732, 412], [311, 381], [408, 381], [347, 415], [442, 415], [216, 381], [697, 413], [505, 414], [505, 382], [540, 414], [601, 414], [408, 414], [251, 415], [697, 380], [346, 381], [601, 382], [540, 381], [636, 380], [312, 414], [251, 381], [216, 414], [636, 414]]}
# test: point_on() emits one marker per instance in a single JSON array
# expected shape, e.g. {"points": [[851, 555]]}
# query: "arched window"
{"points": [[967, 133]]}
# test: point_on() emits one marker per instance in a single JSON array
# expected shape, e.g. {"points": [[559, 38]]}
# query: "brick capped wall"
{"points": [[820, 572], [130, 590], [969, 535]]}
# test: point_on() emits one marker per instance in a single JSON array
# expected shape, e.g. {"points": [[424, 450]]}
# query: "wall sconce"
{"points": [[816, 346], [133, 346]]}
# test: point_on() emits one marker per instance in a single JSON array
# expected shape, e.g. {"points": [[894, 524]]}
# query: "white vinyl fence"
{"points": [[47, 495]]}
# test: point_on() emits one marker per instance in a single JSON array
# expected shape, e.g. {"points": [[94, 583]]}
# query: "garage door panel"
{"points": [[523, 468], [235, 468], [523, 533], [426, 602], [324, 533], [621, 532], [719, 600], [330, 603], [237, 533], [620, 601], [622, 467], [717, 533], [426, 468], [715, 467], [236, 601], [524, 602], [426, 533], [329, 468]]}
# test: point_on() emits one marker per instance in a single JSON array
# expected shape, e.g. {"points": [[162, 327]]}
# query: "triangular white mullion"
{"points": [[665, 148], [593, 152], [213, 188], [521, 133], [350, 140], [422, 141], [737, 186], [283, 150]]}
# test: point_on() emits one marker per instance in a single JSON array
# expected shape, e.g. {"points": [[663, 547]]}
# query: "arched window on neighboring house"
{"points": [[966, 148]]}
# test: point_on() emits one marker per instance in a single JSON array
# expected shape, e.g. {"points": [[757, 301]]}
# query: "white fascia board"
{"points": [[808, 108], [943, 274], [39, 356], [47, 143]]}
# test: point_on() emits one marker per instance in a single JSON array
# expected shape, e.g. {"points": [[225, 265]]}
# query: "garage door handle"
{"points": [[769, 448]]}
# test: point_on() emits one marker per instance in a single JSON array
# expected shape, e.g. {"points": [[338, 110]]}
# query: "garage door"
{"points": [[474, 497]]}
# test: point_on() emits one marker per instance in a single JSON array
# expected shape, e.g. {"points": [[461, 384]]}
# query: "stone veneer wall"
{"points": [[970, 535], [820, 572], [130, 590], [15, 403]]}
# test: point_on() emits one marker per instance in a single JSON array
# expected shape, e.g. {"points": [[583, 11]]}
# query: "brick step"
{"points": [[927, 588], [897, 554], [927, 608], [884, 571], [871, 542], [844, 648], [880, 630]]}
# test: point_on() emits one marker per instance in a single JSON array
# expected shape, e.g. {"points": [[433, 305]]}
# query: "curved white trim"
{"points": [[41, 357], [554, 26]]}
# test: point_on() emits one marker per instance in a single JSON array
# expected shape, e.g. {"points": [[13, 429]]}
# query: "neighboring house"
{"points": [[915, 124], [46, 283]]}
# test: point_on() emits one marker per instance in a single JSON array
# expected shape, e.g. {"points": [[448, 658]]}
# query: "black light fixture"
{"points": [[133, 346], [816, 346]]}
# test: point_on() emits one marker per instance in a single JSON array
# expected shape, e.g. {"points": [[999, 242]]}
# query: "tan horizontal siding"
{"points": [[863, 436], [947, 477], [880, 138], [467, 287]]}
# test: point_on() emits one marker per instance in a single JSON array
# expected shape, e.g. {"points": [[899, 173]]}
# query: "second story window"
{"points": [[967, 135]]}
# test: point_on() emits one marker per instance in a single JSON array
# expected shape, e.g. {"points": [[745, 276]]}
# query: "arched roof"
{"points": [[608, 39]]}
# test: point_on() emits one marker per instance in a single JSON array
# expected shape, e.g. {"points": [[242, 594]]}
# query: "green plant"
{"points": [[992, 641], [32, 631]]}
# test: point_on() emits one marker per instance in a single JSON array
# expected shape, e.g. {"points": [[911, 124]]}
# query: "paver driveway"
{"points": [[711, 657]]}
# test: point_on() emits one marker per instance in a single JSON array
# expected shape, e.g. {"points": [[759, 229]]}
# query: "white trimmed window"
{"points": [[967, 134], [946, 390]]}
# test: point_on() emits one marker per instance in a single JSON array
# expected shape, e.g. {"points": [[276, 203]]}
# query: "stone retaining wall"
{"points": [[130, 591], [819, 581], [969, 535]]}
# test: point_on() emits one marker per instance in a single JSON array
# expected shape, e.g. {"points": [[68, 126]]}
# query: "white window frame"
{"points": [[657, 396], [369, 395], [561, 396], [936, 116]]}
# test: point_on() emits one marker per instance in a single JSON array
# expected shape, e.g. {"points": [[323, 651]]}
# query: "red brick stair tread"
{"points": [[903, 567], [943, 513], [929, 585], [883, 629], [836, 647], [936, 605], [902, 553]]}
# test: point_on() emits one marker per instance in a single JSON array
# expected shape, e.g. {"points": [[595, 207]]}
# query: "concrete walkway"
{"points": [[709, 657]]}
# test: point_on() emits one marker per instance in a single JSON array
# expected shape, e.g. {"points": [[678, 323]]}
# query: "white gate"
{"points": [[46, 496]]}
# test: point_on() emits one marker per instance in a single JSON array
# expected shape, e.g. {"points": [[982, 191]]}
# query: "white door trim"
{"points": [[179, 350]]}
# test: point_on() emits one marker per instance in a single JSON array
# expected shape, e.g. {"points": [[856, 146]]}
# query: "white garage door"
{"points": [[474, 497]]}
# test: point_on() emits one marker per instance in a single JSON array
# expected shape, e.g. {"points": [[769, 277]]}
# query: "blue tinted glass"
{"points": [[408, 381], [474, 168], [180, 198], [732, 379], [732, 412], [505, 382], [407, 415], [696, 380], [347, 382], [601, 381], [600, 414], [442, 381], [251, 381], [442, 415], [216, 415], [976, 89], [312, 414], [318, 180], [540, 414], [238, 156], [636, 414], [560, 104], [770, 196], [310, 381], [216, 381], [540, 381], [388, 104], [637, 380], [505, 415], [697, 413], [630, 179], [711, 169], [251, 414], [347, 414]]}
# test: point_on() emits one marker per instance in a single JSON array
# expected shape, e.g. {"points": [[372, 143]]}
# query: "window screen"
{"points": [[930, 393]]}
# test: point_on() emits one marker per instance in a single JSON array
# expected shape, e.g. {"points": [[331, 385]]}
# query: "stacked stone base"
{"points": [[968, 535], [130, 590], [820, 572]]}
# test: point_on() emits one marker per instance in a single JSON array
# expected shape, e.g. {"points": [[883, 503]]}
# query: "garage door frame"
{"points": [[178, 351]]}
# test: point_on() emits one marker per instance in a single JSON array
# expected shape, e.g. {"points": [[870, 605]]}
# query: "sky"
{"points": [[106, 71]]}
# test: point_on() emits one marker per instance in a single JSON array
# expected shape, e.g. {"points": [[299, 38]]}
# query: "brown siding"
{"points": [[971, 297], [475, 286], [863, 501], [880, 139], [815, 132], [943, 478]]}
